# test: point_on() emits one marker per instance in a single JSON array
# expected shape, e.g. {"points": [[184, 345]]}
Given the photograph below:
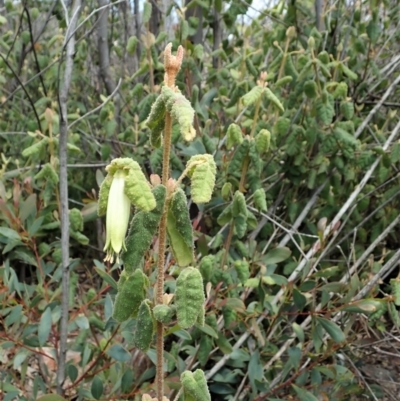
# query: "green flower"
{"points": [[118, 211], [125, 184]]}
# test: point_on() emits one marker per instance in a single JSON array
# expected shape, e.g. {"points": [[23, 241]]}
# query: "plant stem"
{"points": [[172, 65], [161, 259]]}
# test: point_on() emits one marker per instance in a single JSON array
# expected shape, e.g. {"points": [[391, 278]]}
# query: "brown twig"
{"points": [[172, 65]]}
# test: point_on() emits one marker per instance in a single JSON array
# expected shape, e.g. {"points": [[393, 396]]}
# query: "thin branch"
{"points": [[62, 100], [24, 89], [389, 90], [98, 107]]}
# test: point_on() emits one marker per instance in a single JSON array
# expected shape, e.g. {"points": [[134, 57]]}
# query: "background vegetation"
{"points": [[299, 247]]}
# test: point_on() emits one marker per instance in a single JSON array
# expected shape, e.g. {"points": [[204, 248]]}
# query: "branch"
{"points": [[389, 90], [62, 100], [104, 55], [98, 107]]}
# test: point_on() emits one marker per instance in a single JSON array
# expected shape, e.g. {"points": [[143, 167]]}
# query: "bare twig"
{"points": [[62, 100], [98, 107], [366, 121]]}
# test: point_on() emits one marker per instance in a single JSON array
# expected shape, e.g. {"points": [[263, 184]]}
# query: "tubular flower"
{"points": [[118, 211], [125, 184]]}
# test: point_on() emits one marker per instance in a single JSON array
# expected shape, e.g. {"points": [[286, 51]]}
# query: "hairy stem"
{"points": [[161, 258]]}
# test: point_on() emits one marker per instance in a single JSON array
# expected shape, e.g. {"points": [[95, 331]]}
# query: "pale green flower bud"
{"points": [[125, 184], [118, 211]]}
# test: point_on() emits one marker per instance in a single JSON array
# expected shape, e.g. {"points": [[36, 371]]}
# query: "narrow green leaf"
{"points": [[332, 329], [44, 326], [304, 395]]}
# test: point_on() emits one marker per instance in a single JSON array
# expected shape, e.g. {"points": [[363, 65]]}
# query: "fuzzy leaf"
{"points": [[263, 141], [310, 89], [195, 386], [242, 270], [239, 204], [138, 190], [103, 195], [76, 219], [260, 201], [240, 225], [234, 136], [395, 287], [252, 96], [325, 112], [147, 8], [225, 216], [36, 148], [47, 173], [156, 121], [182, 252], [236, 162], [144, 327], [206, 267], [181, 110], [283, 81], [163, 313], [189, 296], [131, 45], [179, 209], [131, 293], [273, 99], [202, 171], [144, 226], [350, 74], [347, 109]]}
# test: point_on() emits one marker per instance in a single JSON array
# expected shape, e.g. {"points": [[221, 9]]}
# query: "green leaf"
{"points": [[202, 171], [127, 381], [234, 136], [131, 45], [277, 255], [180, 249], [298, 331], [97, 388], [189, 296], [119, 353], [51, 397], [181, 110], [363, 306], [332, 329], [263, 141], [147, 8], [224, 344], [72, 372], [180, 211], [395, 153], [273, 99], [144, 226], [304, 395], [195, 386], [9, 233], [252, 96], [145, 326], [44, 326], [350, 74], [131, 293], [106, 277], [208, 330], [156, 121]]}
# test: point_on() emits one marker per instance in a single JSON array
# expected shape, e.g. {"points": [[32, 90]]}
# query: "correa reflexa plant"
{"points": [[161, 207]]}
